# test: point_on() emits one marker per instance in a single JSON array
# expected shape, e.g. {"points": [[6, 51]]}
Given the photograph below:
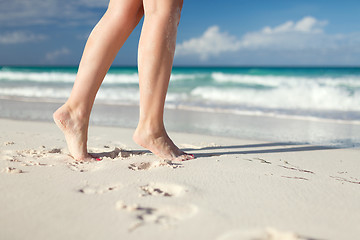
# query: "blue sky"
{"points": [[228, 32]]}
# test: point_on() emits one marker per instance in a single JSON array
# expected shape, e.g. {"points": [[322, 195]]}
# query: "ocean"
{"points": [[321, 95]]}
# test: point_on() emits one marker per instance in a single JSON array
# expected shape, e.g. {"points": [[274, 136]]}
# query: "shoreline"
{"points": [[263, 128], [201, 109], [234, 189]]}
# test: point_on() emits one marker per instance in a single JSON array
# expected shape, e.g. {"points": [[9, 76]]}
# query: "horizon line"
{"points": [[198, 66]]}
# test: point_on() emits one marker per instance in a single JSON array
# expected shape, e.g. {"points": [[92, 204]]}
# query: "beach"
{"points": [[234, 189], [276, 157], [236, 120]]}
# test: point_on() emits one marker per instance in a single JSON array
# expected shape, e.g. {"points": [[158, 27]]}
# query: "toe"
{"points": [[87, 158], [186, 157], [190, 156]]}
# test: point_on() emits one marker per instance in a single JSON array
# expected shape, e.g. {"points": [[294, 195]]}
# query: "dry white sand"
{"points": [[234, 189]]}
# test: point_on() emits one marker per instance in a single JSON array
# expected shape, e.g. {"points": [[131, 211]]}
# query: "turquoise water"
{"points": [[321, 93], [303, 105]]}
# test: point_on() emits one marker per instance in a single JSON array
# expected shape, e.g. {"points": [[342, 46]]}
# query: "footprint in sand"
{"points": [[116, 153], [79, 166], [100, 189], [150, 165], [13, 170], [165, 215], [266, 234], [32, 157], [55, 150], [33, 153], [162, 189]]}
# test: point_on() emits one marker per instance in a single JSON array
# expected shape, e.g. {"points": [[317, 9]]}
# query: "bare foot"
{"points": [[75, 127], [160, 144]]}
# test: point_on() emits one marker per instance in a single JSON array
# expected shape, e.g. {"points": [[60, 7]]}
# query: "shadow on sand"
{"points": [[224, 150], [246, 149]]}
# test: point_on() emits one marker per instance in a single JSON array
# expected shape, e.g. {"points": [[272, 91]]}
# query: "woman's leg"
{"points": [[156, 53], [104, 42]]}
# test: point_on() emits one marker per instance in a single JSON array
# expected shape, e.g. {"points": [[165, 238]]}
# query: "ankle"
{"points": [[77, 112], [151, 129], [74, 117]]}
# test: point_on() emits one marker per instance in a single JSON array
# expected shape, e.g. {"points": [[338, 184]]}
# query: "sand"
{"points": [[234, 189]]}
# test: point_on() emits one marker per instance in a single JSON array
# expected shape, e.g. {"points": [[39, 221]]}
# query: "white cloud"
{"points": [[306, 25], [212, 42], [307, 34], [20, 37], [57, 53]]}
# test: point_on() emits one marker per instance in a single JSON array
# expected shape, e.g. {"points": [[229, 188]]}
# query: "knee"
{"points": [[165, 10], [125, 10]]}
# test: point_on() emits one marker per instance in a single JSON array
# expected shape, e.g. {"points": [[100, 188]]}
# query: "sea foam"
{"points": [[272, 91]]}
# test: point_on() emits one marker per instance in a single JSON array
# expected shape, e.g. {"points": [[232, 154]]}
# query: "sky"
{"points": [[211, 33]]}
